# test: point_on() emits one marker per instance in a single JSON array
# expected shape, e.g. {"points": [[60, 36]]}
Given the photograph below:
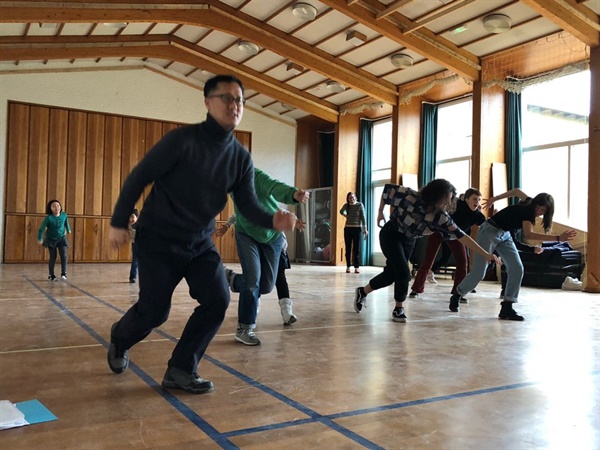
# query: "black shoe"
{"points": [[398, 315], [464, 300], [190, 382], [132, 280], [454, 301], [52, 278], [508, 313], [413, 294], [360, 299], [502, 293], [474, 291], [118, 359]]}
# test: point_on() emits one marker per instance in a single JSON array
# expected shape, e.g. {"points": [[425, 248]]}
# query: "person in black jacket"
{"points": [[494, 236], [193, 169]]}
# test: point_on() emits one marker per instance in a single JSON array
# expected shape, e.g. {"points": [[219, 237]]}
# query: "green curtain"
{"points": [[327, 143], [364, 185], [428, 143], [512, 141]]}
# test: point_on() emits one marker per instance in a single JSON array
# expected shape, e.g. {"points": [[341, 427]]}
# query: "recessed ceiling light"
{"points": [[402, 61], [335, 86], [115, 24], [497, 23], [248, 48], [304, 11]]}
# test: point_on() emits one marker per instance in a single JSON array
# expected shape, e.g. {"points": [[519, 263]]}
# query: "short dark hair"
{"points": [[472, 191], [49, 207], [437, 190], [213, 83]]}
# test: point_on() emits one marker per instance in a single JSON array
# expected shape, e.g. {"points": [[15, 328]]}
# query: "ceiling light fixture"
{"points": [[294, 68], [335, 86], [497, 23], [248, 48], [304, 11], [402, 61], [460, 29], [115, 24], [356, 38]]}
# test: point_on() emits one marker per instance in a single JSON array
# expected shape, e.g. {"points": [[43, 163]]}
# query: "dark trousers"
{"points": [[281, 284], [134, 262], [163, 263], [433, 245], [352, 241], [52, 261], [397, 249]]}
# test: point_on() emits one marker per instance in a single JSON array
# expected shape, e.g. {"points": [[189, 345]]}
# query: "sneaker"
{"points": [[190, 382], [360, 299], [246, 337], [454, 301], [118, 359], [508, 313], [52, 278], [356, 270], [474, 291], [347, 269], [413, 294], [286, 311], [63, 277], [464, 300], [398, 315], [572, 284], [431, 278], [230, 275], [132, 280]]}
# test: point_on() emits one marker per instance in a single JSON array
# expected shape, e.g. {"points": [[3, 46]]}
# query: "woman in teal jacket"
{"points": [[56, 225]]}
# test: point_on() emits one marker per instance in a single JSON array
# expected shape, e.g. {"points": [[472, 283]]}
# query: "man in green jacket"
{"points": [[259, 250]]}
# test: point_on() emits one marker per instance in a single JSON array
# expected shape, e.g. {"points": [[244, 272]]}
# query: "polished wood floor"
{"points": [[333, 380]]}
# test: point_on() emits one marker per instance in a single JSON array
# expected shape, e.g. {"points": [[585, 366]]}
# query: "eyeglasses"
{"points": [[228, 99]]}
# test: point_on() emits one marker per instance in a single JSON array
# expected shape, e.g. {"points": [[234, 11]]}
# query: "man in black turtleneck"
{"points": [[192, 169]]}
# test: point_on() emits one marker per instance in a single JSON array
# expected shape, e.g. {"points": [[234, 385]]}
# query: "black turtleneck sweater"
{"points": [[193, 168]]}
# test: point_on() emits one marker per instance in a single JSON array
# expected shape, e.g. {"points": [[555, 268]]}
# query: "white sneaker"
{"points": [[572, 284], [246, 337], [286, 311], [430, 278]]}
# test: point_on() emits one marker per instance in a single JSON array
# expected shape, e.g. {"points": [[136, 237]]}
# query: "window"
{"points": [[454, 143], [555, 145], [381, 173]]}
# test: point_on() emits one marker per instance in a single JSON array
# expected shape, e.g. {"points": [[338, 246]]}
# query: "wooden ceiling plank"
{"points": [[437, 13], [567, 19], [423, 42], [392, 7], [228, 20]]}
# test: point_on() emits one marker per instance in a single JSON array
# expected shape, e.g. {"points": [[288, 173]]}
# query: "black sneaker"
{"points": [[413, 294], [190, 382], [132, 280], [52, 278], [454, 301], [360, 299], [398, 315], [118, 359], [508, 313], [464, 300]]}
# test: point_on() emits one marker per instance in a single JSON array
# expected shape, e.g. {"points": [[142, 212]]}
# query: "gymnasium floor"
{"points": [[333, 380]]}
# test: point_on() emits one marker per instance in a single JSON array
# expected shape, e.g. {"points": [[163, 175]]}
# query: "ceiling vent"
{"points": [[402, 61], [497, 23]]}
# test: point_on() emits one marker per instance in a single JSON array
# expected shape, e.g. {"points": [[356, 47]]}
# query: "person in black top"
{"points": [[414, 214], [193, 169], [465, 215], [494, 236]]}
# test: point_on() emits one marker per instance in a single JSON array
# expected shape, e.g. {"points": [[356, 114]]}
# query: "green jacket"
{"points": [[270, 193], [57, 226]]}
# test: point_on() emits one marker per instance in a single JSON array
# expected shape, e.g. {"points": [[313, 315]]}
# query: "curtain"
{"points": [[428, 143], [326, 144], [512, 142], [364, 185]]}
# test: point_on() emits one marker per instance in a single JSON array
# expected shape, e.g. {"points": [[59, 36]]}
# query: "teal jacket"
{"points": [[57, 227], [270, 193]]}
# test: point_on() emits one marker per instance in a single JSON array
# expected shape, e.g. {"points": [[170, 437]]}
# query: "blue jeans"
{"points": [[134, 262], [493, 239], [259, 269]]}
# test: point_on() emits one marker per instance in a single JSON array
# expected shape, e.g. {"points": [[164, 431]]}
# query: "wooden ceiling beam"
{"points": [[176, 50], [423, 41], [218, 16], [572, 17]]}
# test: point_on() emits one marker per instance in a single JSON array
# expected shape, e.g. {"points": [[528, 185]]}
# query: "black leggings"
{"points": [[352, 241], [63, 260]]}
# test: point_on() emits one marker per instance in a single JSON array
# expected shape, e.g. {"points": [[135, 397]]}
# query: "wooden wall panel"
{"points": [[154, 132], [226, 245], [39, 118], [94, 165], [134, 134], [112, 163], [14, 238], [88, 239], [57, 156], [74, 202], [32, 250], [17, 158]]}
